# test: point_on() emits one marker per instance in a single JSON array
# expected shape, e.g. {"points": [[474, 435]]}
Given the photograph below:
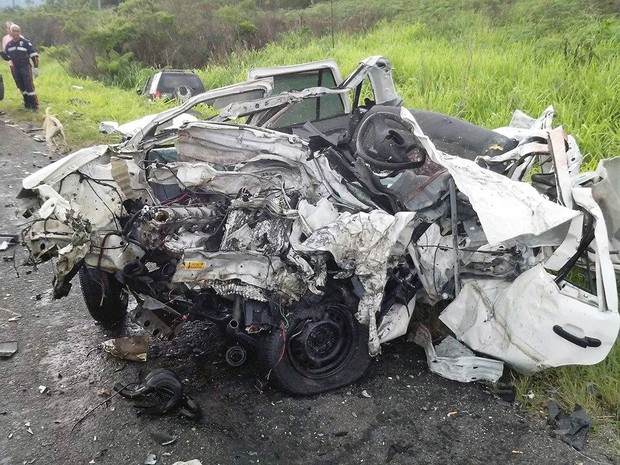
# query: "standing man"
{"points": [[20, 51]]}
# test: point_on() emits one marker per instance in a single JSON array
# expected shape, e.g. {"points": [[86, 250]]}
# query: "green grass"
{"points": [[475, 66], [482, 76], [596, 388]]}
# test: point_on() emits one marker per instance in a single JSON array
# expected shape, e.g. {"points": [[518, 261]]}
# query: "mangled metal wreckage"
{"points": [[310, 231]]}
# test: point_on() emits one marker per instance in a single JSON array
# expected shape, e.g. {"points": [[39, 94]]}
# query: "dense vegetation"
{"points": [[478, 59], [112, 42]]}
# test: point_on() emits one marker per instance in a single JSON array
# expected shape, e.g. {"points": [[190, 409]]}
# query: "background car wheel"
{"points": [[105, 297], [318, 353]]}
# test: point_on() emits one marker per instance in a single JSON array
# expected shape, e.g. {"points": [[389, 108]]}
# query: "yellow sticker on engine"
{"points": [[194, 265]]}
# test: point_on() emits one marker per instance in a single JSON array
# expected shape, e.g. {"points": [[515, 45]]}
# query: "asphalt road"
{"points": [[411, 416]]}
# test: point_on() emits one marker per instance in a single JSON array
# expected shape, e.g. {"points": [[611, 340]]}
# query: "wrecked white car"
{"points": [[309, 227]]}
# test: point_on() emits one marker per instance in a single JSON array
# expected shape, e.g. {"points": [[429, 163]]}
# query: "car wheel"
{"points": [[318, 353], [105, 297]]}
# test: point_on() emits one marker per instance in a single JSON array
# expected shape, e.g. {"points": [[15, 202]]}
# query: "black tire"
{"points": [[316, 354], [105, 297]]}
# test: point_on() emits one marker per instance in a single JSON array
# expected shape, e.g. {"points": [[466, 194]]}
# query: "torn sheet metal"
{"points": [[217, 98], [365, 245], [454, 361], [395, 322], [605, 279], [492, 195], [229, 144], [257, 175], [606, 193], [132, 128], [319, 215], [433, 258], [60, 169], [563, 181], [532, 323], [560, 256]]}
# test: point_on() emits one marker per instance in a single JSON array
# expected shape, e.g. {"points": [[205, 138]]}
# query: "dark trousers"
{"points": [[23, 79]]}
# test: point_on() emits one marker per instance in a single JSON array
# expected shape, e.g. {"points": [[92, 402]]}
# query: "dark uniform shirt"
{"points": [[20, 52]]}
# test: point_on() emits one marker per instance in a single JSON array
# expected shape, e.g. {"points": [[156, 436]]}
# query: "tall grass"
{"points": [[596, 388], [481, 76]]}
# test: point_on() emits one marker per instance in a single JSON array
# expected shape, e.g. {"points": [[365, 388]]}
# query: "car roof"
{"points": [[184, 71]]}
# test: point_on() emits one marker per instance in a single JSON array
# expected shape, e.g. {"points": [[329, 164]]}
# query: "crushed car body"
{"points": [[308, 224]]}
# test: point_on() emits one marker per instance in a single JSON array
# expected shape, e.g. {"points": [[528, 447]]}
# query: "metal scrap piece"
{"points": [[8, 349], [453, 360], [8, 240], [163, 438]]}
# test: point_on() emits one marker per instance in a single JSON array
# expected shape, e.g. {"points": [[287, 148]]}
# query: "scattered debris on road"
{"points": [[104, 392], [506, 391], [573, 428], [134, 348], [8, 349], [162, 392], [163, 438], [7, 240], [28, 428], [453, 360]]}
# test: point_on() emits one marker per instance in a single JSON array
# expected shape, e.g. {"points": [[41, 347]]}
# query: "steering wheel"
{"points": [[385, 141]]}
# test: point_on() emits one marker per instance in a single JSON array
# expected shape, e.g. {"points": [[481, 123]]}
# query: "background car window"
{"points": [[169, 83]]}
